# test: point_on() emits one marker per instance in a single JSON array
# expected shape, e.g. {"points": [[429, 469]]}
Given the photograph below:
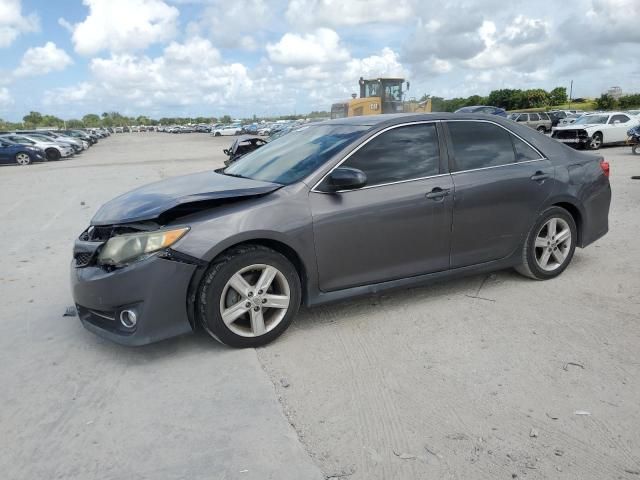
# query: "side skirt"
{"points": [[322, 298]]}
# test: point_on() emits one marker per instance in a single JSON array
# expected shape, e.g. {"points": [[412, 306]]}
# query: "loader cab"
{"points": [[389, 90]]}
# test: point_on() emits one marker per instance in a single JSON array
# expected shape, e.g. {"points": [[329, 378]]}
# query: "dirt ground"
{"points": [[491, 376]]}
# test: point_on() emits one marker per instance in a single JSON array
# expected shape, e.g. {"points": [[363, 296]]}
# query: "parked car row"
{"points": [[25, 147]]}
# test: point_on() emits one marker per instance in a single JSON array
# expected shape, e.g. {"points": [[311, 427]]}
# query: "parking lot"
{"points": [[491, 376]]}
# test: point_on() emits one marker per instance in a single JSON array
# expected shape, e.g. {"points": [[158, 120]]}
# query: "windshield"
{"points": [[296, 154], [42, 137], [586, 119]]}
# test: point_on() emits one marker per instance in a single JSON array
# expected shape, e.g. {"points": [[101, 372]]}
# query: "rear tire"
{"points": [[549, 246], [23, 158], [52, 154], [249, 296]]}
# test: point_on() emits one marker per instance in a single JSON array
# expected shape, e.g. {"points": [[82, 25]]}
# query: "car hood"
{"points": [[150, 201]]}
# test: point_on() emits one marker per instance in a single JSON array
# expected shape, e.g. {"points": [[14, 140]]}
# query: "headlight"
{"points": [[136, 246]]}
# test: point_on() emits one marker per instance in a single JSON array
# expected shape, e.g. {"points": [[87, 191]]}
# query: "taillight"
{"points": [[604, 165]]}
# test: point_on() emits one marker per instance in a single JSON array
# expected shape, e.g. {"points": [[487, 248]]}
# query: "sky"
{"points": [[257, 57]]}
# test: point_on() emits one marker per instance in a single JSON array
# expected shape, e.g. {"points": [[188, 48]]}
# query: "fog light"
{"points": [[128, 318]]}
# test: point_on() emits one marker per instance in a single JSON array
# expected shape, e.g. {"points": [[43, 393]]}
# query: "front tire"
{"points": [[549, 246], [635, 149], [249, 296], [541, 129], [596, 141], [52, 154]]}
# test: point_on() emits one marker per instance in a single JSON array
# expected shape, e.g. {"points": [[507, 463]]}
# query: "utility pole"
{"points": [[570, 94]]}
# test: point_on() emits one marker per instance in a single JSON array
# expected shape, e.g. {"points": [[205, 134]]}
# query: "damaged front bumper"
{"points": [[577, 137], [156, 289]]}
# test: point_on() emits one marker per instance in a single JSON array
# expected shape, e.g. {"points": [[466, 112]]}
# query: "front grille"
{"points": [[566, 134], [570, 134]]}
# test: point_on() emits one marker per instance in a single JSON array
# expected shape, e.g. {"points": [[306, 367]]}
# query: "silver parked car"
{"points": [[53, 150], [329, 211]]}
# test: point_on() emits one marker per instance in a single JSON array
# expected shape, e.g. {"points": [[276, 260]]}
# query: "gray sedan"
{"points": [[333, 210]]}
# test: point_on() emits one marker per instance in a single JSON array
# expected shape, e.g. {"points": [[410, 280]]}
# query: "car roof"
{"points": [[395, 118]]}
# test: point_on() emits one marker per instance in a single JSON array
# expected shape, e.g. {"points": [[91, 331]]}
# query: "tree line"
{"points": [[107, 119], [507, 98], [625, 102], [515, 99], [115, 119]]}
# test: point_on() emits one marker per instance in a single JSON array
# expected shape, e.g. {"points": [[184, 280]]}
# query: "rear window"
{"points": [[523, 151]]}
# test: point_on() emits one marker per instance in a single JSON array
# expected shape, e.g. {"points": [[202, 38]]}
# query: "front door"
{"points": [[398, 225], [618, 125], [500, 184]]}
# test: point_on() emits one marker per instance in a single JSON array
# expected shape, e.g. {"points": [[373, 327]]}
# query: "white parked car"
{"points": [[593, 130], [234, 129], [54, 151]]}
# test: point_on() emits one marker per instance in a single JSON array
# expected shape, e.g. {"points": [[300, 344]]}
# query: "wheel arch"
{"points": [[275, 244], [575, 213]]}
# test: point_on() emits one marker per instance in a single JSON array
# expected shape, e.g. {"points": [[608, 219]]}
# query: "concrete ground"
{"points": [[491, 376]]}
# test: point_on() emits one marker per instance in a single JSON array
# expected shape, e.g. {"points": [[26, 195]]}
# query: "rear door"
{"points": [[500, 183], [399, 224]]}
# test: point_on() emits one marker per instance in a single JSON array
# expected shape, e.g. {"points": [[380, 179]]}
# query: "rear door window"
{"points": [[534, 117], [523, 151], [544, 116], [402, 153], [479, 145]]}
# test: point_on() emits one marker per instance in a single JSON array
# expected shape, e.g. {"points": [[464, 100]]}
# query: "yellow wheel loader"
{"points": [[380, 95]]}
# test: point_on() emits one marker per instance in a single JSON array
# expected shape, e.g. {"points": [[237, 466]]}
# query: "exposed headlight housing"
{"points": [[130, 247]]}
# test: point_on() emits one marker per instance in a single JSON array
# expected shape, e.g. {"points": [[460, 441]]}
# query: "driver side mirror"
{"points": [[345, 178]]}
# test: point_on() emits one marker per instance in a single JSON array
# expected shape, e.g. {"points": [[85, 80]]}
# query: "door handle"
{"points": [[539, 176], [437, 193]]}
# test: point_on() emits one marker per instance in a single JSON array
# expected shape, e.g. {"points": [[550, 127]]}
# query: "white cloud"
{"points": [[523, 41], [5, 97], [605, 23], [337, 13], [235, 24], [386, 64], [187, 74], [42, 60], [14, 23], [321, 46], [124, 25]]}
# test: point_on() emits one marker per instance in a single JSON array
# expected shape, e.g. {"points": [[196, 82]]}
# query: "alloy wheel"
{"points": [[596, 141], [553, 244], [23, 159], [255, 300]]}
